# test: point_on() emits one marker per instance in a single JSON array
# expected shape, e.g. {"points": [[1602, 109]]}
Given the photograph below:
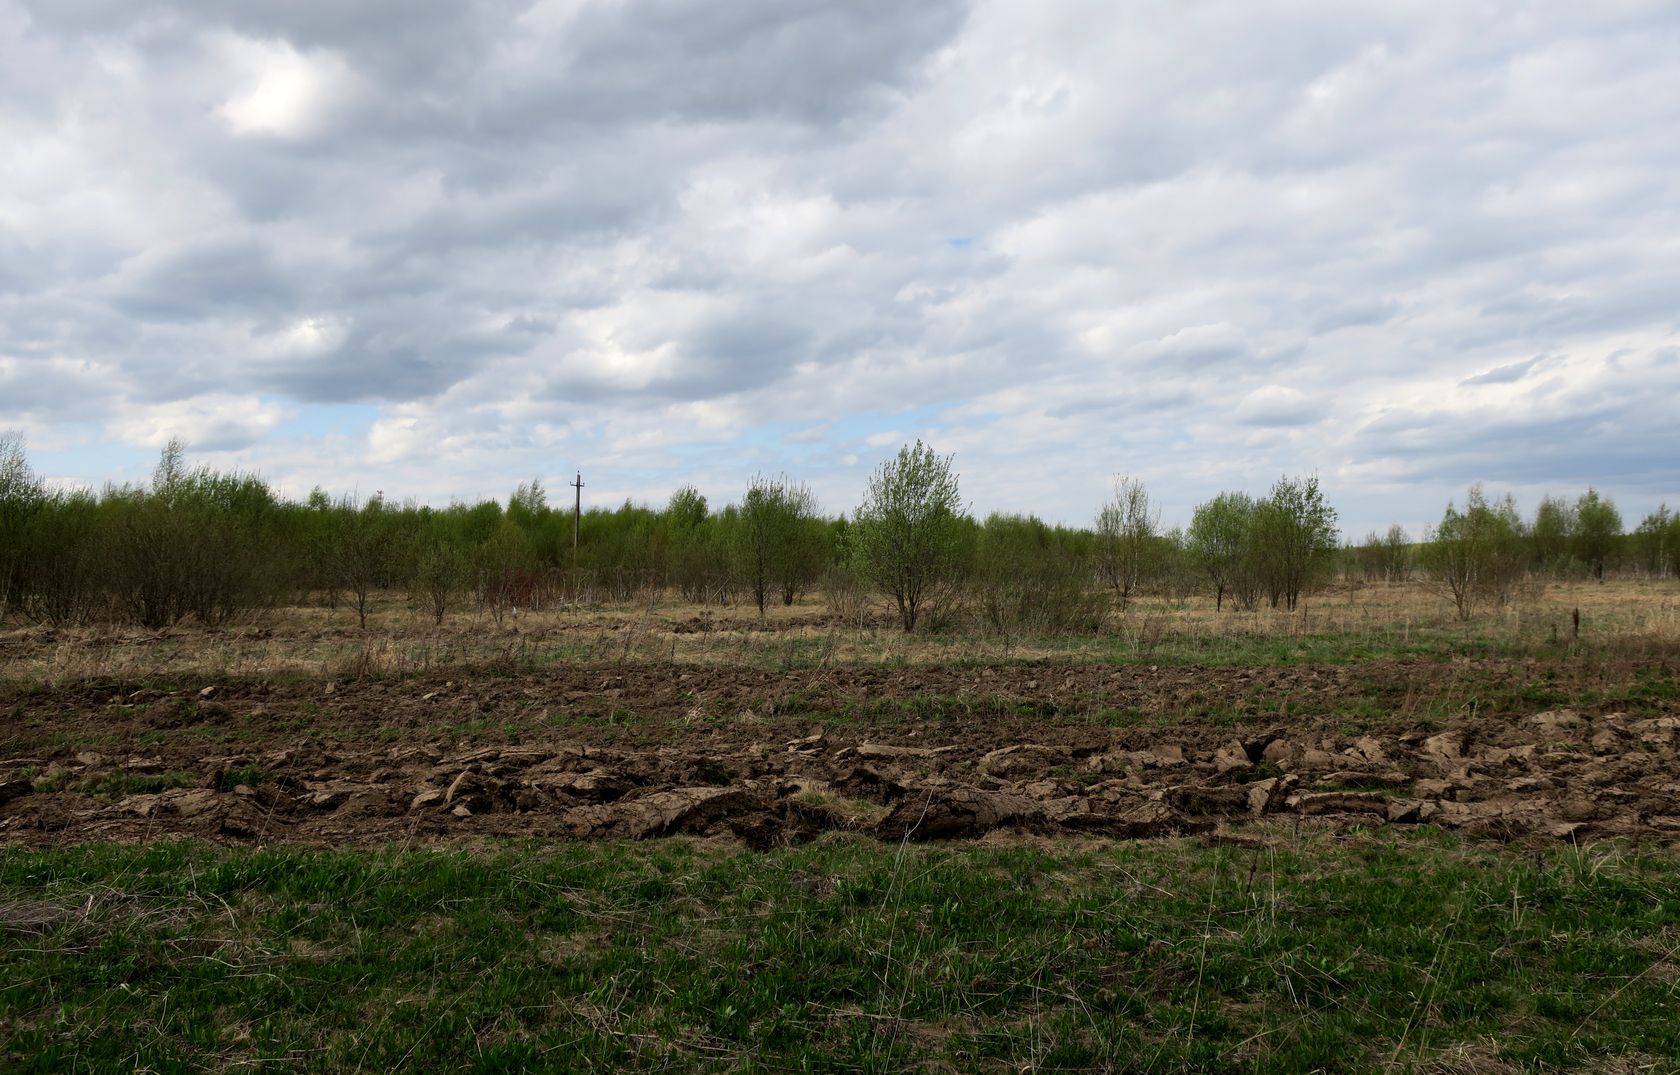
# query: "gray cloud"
{"points": [[1208, 243], [1514, 371]]}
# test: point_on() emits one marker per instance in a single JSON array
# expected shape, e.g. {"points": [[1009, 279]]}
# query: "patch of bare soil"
{"points": [[586, 753]]}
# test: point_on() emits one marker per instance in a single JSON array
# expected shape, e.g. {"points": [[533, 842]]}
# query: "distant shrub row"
{"points": [[207, 546]]}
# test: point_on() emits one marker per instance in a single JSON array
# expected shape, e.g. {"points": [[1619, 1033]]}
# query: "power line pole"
{"points": [[577, 515]]}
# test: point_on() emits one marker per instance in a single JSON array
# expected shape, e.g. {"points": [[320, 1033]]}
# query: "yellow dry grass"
{"points": [[319, 642]]}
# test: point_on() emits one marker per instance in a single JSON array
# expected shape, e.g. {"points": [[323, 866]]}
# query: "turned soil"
{"points": [[1500, 749]]}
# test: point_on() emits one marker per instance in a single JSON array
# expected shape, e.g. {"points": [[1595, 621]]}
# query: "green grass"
{"points": [[1375, 953]]}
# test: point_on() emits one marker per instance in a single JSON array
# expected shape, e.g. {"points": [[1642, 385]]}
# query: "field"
{"points": [[1363, 836]]}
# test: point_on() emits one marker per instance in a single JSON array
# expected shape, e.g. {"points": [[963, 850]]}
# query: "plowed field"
{"points": [[1506, 749]]}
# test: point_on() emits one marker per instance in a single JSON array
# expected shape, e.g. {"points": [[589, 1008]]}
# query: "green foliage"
{"points": [[777, 540], [1294, 539], [1598, 528], [1031, 577], [1221, 542], [1385, 557], [21, 498], [1476, 555], [440, 570], [191, 544], [1656, 543], [1552, 535], [907, 535]]}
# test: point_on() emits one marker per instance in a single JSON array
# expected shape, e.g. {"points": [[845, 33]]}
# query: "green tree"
{"points": [[1294, 539], [506, 564], [1030, 576], [907, 535], [362, 547], [67, 560], [1551, 535], [1385, 556], [774, 544], [1220, 543], [440, 570], [1598, 527], [1475, 555], [1657, 542], [21, 500]]}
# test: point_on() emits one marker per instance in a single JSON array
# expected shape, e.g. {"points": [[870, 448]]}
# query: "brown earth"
{"points": [[636, 751]]}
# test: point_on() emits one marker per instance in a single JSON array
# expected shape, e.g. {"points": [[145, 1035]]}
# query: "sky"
{"points": [[440, 247]]}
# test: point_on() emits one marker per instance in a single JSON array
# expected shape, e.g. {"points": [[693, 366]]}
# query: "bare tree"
{"points": [[1127, 527]]}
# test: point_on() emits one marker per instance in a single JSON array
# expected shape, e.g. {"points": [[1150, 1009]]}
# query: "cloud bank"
{"points": [[439, 247]]}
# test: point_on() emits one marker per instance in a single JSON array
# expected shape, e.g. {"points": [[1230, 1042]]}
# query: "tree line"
{"points": [[197, 544]]}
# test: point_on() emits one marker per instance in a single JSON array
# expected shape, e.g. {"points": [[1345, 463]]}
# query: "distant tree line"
{"points": [[200, 545], [1479, 554]]}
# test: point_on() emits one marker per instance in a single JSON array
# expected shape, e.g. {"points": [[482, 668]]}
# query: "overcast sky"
{"points": [[437, 247]]}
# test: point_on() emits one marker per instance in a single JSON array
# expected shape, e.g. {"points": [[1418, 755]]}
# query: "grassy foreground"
{"points": [[1378, 952]]}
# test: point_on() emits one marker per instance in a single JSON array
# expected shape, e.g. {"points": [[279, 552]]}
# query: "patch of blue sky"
{"points": [[850, 433], [94, 463], [327, 419]]}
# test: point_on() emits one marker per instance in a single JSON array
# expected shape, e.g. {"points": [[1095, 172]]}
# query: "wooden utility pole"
{"points": [[577, 515]]}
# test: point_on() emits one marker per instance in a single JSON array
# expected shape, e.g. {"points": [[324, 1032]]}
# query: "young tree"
{"points": [[21, 500], [362, 548], [1551, 535], [1029, 576], [1598, 527], [1386, 556], [440, 570], [1657, 542], [695, 567], [907, 535], [775, 544], [1126, 532], [1221, 533], [66, 560], [1396, 554], [1475, 555], [506, 565], [1294, 538]]}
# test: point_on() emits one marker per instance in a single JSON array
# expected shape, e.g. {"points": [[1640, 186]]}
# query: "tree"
{"points": [[506, 565], [1028, 575], [1396, 554], [1657, 542], [362, 548], [1551, 535], [907, 535], [1386, 556], [775, 544], [439, 571], [1126, 531], [1598, 526], [1294, 538], [1475, 555], [21, 499], [1221, 532], [191, 544]]}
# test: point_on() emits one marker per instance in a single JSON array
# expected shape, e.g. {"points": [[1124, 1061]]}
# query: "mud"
{"points": [[765, 758]]}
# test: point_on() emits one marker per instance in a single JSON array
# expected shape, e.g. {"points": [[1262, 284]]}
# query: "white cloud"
{"points": [[281, 92], [213, 422], [1204, 243]]}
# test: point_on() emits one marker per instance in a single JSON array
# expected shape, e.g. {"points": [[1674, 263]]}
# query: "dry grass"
{"points": [[1633, 616]]}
